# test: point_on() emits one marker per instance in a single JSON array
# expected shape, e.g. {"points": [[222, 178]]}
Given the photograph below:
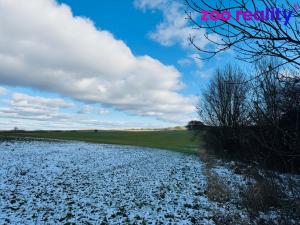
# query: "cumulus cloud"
{"points": [[39, 108], [25, 107], [34, 112], [43, 45], [174, 28]]}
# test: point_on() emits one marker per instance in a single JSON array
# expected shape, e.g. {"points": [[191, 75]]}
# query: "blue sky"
{"points": [[98, 64]]}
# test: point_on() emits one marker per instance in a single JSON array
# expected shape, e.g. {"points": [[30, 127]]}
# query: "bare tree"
{"points": [[276, 115], [266, 93], [223, 103], [253, 39], [223, 108]]}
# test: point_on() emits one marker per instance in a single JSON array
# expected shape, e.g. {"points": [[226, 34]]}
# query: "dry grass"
{"points": [[263, 194], [260, 196], [216, 190]]}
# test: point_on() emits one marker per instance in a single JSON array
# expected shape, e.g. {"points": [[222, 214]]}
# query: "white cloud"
{"points": [[89, 109], [34, 112], [174, 28], [34, 107], [25, 101], [2, 90], [42, 45], [86, 109], [102, 111]]}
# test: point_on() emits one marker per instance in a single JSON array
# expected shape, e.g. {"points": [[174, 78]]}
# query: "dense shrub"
{"points": [[254, 121]]}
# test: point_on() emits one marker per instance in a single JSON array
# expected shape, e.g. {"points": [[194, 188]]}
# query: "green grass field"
{"points": [[180, 140]]}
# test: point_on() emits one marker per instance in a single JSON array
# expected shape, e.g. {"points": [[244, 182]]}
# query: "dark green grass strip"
{"points": [[181, 141]]}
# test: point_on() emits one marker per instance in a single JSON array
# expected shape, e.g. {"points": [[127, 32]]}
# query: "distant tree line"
{"points": [[195, 125]]}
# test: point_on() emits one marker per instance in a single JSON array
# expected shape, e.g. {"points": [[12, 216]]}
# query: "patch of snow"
{"points": [[60, 182], [234, 181]]}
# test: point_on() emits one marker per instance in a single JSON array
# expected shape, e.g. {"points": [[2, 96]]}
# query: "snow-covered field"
{"points": [[44, 182]]}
